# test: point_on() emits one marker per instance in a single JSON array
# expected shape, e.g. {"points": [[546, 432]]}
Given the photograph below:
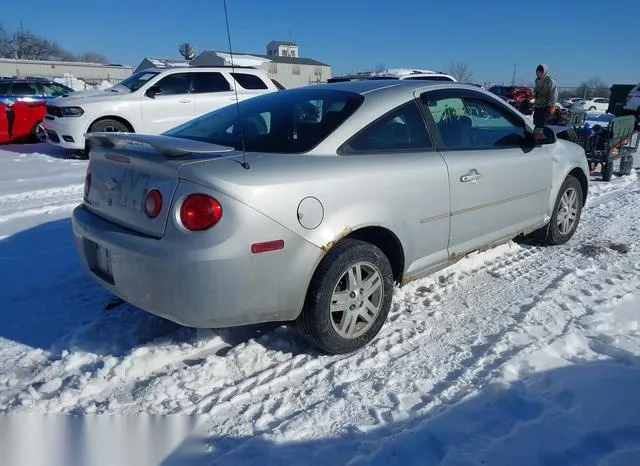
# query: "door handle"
{"points": [[185, 101], [233, 98], [471, 177]]}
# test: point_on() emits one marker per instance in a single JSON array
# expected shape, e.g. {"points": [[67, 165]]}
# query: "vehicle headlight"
{"points": [[71, 111]]}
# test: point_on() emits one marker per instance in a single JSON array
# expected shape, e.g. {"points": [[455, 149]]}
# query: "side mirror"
{"points": [[543, 136], [152, 92]]}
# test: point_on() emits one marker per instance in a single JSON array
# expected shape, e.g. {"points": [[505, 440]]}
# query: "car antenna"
{"points": [[244, 163]]}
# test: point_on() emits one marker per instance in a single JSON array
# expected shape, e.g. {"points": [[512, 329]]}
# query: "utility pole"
{"points": [[513, 79]]}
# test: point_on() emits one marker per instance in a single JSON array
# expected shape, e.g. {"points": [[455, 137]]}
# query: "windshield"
{"points": [[137, 80], [285, 122]]}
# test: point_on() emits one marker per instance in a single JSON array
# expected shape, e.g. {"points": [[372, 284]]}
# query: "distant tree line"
{"points": [[24, 44], [594, 87]]}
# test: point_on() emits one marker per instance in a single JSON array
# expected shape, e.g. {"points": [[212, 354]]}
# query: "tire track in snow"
{"points": [[113, 384], [486, 357], [34, 203], [481, 363], [428, 290], [399, 338]]}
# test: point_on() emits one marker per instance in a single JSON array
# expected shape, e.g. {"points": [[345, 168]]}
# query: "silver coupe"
{"points": [[308, 204]]}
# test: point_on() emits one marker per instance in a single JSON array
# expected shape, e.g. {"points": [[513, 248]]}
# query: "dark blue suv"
{"points": [[30, 89]]}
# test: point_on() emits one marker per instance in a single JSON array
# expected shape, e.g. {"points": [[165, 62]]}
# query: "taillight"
{"points": [[87, 184], [153, 203], [200, 212]]}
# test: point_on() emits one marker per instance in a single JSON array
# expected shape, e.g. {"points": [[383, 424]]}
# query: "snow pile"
{"points": [[76, 84], [103, 85], [71, 81], [518, 355]]}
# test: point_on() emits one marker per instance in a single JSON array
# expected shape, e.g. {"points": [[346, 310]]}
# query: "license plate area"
{"points": [[99, 260]]}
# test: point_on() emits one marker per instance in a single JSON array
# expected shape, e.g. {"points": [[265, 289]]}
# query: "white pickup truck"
{"points": [[150, 101]]}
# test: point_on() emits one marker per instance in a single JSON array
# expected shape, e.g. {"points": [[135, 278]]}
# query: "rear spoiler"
{"points": [[167, 145]]}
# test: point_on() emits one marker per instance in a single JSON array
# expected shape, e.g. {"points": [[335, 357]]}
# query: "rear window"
{"points": [[249, 81], [286, 122], [26, 89]]}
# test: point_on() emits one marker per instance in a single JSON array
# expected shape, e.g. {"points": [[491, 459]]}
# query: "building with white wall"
{"points": [[89, 72], [282, 62]]}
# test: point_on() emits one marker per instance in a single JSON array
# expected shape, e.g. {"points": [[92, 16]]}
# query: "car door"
{"points": [[404, 175], [166, 103], [211, 90], [499, 182]]}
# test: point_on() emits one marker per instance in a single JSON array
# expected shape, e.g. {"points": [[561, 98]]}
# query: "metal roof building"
{"points": [[282, 62], [89, 72], [290, 71]]}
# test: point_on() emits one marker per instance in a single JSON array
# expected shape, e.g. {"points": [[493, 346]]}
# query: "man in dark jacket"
{"points": [[545, 94]]}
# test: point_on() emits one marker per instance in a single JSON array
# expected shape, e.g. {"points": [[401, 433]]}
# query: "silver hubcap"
{"points": [[567, 211], [356, 300]]}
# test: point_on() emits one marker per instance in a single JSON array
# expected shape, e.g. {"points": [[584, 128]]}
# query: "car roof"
{"points": [[390, 86], [182, 69]]}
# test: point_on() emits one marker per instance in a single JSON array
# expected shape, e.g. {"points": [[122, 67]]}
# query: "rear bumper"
{"points": [[197, 285]]}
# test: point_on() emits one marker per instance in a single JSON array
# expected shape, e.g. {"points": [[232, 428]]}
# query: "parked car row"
{"points": [[308, 205]]}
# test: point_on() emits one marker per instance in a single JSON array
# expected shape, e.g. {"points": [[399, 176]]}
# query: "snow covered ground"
{"points": [[519, 355]]}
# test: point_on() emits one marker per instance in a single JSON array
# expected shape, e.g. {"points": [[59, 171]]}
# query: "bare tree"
{"points": [[92, 57], [23, 44], [461, 72], [594, 87], [380, 67], [186, 50]]}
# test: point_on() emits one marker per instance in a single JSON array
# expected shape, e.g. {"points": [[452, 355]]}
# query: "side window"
{"points": [[402, 129], [4, 88], [53, 90], [469, 122], [250, 81], [178, 83], [25, 89], [209, 82]]}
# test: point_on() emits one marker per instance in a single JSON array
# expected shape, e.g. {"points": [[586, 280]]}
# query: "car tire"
{"points": [[37, 133], [626, 165], [343, 274], [568, 203], [607, 171], [108, 125]]}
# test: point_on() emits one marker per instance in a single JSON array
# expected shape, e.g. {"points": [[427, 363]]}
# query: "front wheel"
{"points": [[107, 125], [566, 213], [348, 299]]}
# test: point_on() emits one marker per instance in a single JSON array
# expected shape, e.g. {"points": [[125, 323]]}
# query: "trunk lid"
{"points": [[124, 167]]}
